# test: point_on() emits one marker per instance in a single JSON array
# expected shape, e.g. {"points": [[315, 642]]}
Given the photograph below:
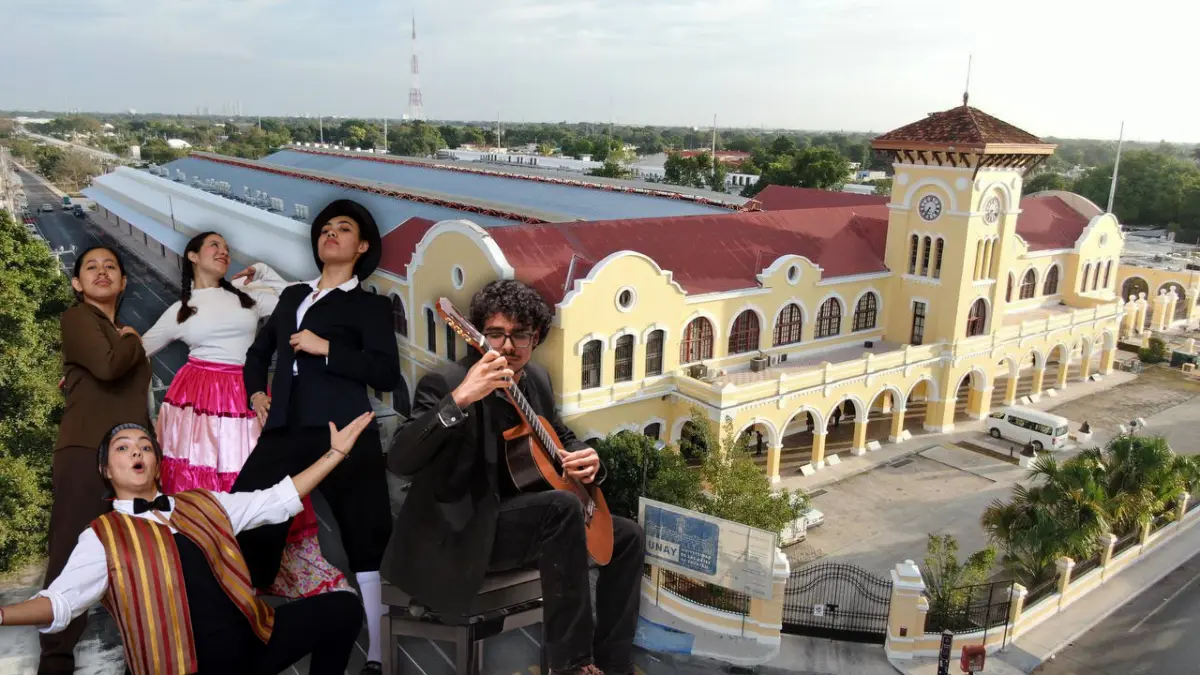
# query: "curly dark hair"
{"points": [[515, 300]]}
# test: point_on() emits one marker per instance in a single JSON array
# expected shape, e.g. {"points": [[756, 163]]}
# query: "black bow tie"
{"points": [[159, 503]]}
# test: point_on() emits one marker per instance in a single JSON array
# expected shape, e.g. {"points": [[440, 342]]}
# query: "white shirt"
{"points": [[221, 330], [310, 300], [84, 580]]}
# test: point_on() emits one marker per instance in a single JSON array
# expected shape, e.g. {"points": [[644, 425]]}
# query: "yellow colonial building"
{"points": [[821, 322]]}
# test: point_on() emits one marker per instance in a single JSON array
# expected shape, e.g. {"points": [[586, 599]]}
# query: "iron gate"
{"points": [[837, 600]]}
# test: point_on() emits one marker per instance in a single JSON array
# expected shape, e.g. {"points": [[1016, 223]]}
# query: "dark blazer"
{"points": [[442, 539], [107, 377], [362, 353]]}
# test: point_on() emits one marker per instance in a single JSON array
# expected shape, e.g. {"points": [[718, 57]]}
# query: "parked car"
{"points": [[813, 518], [1028, 426]]}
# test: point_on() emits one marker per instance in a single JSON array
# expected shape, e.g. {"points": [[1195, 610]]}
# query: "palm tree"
{"points": [[1143, 479]]}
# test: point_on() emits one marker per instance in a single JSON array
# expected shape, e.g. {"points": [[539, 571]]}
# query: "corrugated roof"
{"points": [[961, 126], [705, 254], [388, 211], [579, 202], [783, 197]]}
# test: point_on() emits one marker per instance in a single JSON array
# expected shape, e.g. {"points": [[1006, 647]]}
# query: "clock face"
{"points": [[930, 207], [991, 210]]}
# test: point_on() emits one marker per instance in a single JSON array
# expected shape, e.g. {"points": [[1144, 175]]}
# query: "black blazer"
{"points": [[442, 539], [362, 353]]}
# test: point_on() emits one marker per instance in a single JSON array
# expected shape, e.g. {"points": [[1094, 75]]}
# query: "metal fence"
{"points": [[1126, 541], [706, 594], [1041, 591], [1162, 520], [968, 609], [1082, 568]]}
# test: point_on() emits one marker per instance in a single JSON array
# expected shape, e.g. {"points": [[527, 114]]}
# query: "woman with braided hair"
{"points": [[205, 425]]}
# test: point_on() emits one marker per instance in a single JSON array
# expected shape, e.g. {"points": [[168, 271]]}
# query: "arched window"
{"points": [[653, 430], [913, 245], [937, 258], [1134, 286], [789, 324], [1096, 277], [1107, 272], [623, 360], [744, 336], [654, 353], [590, 374], [1029, 285], [865, 312], [976, 318], [451, 344], [1008, 288], [697, 343], [1083, 284], [430, 331], [1050, 287], [829, 319], [399, 320], [925, 251]]}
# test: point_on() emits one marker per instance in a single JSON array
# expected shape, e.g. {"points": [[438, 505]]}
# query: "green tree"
{"points": [[1152, 189], [33, 293], [735, 487], [884, 187], [611, 169], [1155, 353], [815, 167], [415, 139], [1046, 181], [157, 151], [637, 467], [946, 576]]}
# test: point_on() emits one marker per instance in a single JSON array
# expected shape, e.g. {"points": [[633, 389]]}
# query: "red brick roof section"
{"points": [[398, 246], [782, 198], [963, 125], [705, 253], [1048, 222]]}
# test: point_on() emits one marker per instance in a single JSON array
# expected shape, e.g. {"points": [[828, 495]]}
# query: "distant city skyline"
{"points": [[1067, 68]]}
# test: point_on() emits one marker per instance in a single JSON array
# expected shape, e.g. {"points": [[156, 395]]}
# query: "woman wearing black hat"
{"points": [[331, 340]]}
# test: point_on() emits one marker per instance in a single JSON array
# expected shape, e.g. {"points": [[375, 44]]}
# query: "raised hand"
{"points": [[487, 375], [342, 440]]}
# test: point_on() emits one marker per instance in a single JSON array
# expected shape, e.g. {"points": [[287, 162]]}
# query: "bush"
{"points": [[24, 512], [636, 467], [1155, 353]]}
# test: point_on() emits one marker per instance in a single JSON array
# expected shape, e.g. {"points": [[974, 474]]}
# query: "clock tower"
{"points": [[952, 221]]}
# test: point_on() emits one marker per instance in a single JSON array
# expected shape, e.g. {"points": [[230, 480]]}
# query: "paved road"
{"points": [[147, 296], [1153, 634]]}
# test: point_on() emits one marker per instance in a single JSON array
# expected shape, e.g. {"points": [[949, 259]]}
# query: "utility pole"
{"points": [[385, 147], [321, 127], [1112, 191], [714, 150]]}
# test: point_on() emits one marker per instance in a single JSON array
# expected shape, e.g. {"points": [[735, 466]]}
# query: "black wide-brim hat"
{"points": [[367, 230]]}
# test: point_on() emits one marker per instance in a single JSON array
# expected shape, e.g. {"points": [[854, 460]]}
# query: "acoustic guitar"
{"points": [[533, 451]]}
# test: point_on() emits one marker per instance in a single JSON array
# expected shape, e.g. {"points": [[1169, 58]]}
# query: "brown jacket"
{"points": [[107, 377]]}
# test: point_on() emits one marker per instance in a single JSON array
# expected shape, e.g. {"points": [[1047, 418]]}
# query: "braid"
{"points": [[184, 311], [246, 300]]}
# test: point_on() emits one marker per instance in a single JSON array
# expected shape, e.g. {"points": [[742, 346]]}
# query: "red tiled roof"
{"points": [[705, 253], [961, 126], [397, 247], [783, 197], [1047, 222]]}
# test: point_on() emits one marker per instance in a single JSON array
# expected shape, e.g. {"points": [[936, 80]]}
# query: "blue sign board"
{"points": [[690, 543]]}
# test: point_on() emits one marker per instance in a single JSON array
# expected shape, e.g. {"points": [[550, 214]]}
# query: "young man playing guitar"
{"points": [[464, 516]]}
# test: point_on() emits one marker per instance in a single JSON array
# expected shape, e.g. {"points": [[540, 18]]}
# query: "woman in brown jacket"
{"points": [[106, 377]]}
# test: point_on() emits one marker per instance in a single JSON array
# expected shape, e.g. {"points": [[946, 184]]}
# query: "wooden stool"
{"points": [[506, 601]]}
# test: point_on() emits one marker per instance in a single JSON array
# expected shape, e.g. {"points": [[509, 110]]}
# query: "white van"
{"points": [[1025, 425]]}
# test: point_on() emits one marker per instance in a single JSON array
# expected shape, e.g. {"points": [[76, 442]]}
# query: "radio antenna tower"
{"points": [[416, 109]]}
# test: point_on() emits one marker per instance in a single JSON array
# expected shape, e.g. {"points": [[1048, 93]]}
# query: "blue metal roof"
{"points": [[577, 202], [389, 212]]}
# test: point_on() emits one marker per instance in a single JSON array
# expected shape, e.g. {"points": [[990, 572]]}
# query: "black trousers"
{"points": [[356, 491], [324, 626], [546, 530], [78, 500]]}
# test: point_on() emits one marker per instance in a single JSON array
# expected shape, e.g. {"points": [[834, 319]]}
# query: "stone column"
{"points": [[818, 448], [1010, 389], [897, 425], [1107, 358], [1108, 541], [1181, 508], [983, 403], [1139, 317], [1169, 310], [859, 446], [774, 454], [939, 416], [886, 406], [1085, 364], [906, 614], [1143, 537], [1159, 319], [1064, 566], [1016, 605], [1039, 374], [1064, 370]]}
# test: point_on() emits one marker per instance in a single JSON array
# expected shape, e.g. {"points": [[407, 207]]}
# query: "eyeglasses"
{"points": [[520, 340]]}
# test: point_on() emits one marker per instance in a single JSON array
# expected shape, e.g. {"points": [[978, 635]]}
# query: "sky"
{"points": [[1066, 68]]}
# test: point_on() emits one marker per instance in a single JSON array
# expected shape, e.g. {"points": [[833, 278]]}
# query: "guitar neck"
{"points": [[530, 416]]}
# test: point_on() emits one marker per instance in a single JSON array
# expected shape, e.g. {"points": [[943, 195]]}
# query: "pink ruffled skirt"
{"points": [[207, 430]]}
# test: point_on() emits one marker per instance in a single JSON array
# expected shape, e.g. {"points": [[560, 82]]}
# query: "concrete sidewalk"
{"points": [[964, 430], [1044, 641]]}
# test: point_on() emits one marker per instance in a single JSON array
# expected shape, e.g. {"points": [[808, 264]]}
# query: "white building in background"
{"points": [[178, 144]]}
